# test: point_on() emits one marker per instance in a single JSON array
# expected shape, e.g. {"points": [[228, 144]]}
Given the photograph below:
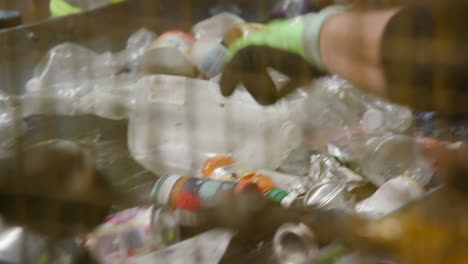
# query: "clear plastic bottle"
{"points": [[332, 109], [382, 157], [290, 8], [208, 55], [362, 129], [214, 27], [180, 122], [74, 80]]}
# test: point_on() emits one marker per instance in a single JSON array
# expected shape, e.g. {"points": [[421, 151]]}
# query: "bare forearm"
{"points": [[350, 47]]}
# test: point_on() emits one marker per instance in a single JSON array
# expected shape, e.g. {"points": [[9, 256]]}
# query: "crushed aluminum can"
{"points": [[329, 195], [325, 169], [295, 244]]}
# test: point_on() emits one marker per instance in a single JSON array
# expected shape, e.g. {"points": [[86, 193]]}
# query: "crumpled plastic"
{"points": [[389, 197], [181, 122], [207, 248], [11, 125], [332, 108], [381, 157], [214, 28], [72, 80]]}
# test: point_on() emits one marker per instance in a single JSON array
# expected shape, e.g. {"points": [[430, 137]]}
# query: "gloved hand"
{"points": [[249, 67], [289, 46], [63, 8]]}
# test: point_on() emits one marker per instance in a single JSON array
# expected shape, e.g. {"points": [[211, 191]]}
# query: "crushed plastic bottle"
{"points": [[11, 126], [298, 161], [111, 98], [207, 248], [179, 122], [137, 44], [382, 157], [214, 28], [389, 197], [331, 110], [73, 80], [170, 54], [70, 63]]}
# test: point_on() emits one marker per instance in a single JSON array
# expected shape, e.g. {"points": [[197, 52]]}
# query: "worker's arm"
{"points": [[335, 40], [414, 56], [350, 47]]}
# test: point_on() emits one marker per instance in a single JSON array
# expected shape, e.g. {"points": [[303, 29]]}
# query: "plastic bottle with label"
{"points": [[191, 193]]}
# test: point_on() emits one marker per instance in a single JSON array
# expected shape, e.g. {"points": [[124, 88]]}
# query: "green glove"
{"points": [[298, 35], [282, 34], [62, 8]]}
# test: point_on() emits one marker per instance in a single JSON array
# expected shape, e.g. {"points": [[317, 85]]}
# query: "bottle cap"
{"points": [[245, 185], [372, 120], [264, 182], [276, 195], [215, 162]]}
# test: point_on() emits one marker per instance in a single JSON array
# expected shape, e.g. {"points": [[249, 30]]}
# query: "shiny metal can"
{"points": [[295, 244]]}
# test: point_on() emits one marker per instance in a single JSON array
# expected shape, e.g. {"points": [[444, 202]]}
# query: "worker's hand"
{"points": [[249, 67], [290, 46]]}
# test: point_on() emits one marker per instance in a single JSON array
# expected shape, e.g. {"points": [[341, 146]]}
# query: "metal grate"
{"points": [[443, 58]]}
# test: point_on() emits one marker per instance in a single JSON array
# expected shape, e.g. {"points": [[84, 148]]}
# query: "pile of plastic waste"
{"points": [[326, 146]]}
